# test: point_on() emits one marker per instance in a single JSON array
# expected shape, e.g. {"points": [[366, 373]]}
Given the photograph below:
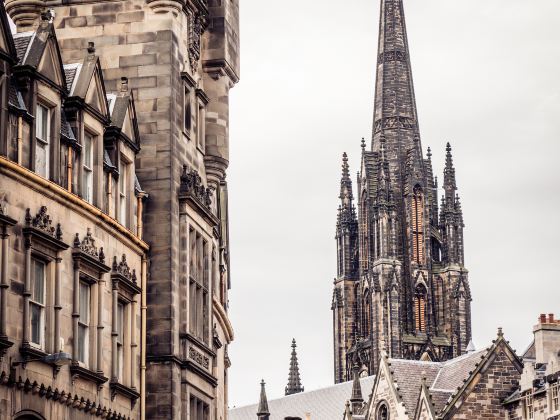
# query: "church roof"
{"points": [[322, 404]]}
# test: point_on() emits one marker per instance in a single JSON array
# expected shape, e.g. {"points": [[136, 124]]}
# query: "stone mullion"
{"points": [[114, 333], [100, 289], [57, 305], [75, 309], [133, 342], [27, 294], [4, 283]]}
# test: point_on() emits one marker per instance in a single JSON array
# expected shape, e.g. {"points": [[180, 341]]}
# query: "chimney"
{"points": [[547, 338]]}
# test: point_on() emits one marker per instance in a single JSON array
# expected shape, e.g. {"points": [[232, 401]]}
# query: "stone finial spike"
{"points": [[363, 144], [471, 347], [91, 48], [262, 411], [429, 153], [294, 381], [356, 399], [500, 332]]}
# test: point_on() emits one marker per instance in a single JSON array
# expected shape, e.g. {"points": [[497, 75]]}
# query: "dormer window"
{"points": [[42, 134], [87, 166]]}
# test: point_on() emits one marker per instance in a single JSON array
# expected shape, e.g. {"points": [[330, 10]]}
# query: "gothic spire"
{"points": [[294, 381], [449, 183], [262, 412], [345, 182], [395, 104], [357, 398]]}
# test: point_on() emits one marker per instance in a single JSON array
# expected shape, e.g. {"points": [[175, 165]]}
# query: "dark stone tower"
{"points": [[294, 381], [401, 285]]}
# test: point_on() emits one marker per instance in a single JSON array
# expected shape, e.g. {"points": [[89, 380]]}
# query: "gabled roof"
{"points": [[40, 51], [322, 404], [123, 116], [7, 46]]}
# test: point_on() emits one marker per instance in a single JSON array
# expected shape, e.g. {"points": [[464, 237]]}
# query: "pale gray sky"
{"points": [[486, 74]]}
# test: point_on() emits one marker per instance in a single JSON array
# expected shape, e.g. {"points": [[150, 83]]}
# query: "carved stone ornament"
{"points": [[195, 33], [389, 123], [388, 56], [42, 221], [123, 269], [199, 358], [191, 184], [87, 246]]}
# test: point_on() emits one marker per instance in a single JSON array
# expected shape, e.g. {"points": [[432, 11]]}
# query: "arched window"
{"points": [[420, 308], [418, 225], [382, 412]]}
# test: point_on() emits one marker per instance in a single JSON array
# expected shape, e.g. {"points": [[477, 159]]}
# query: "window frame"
{"points": [[123, 193], [554, 397], [120, 330], [88, 167], [529, 406], [83, 347], [187, 111], [35, 303], [47, 141]]}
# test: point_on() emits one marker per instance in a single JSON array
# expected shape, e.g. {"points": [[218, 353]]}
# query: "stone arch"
{"points": [[28, 415]]}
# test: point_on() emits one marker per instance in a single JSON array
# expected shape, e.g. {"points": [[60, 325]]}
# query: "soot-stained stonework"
{"points": [[401, 285]]}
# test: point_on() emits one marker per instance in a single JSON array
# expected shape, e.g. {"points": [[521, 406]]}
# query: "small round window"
{"points": [[382, 412]]}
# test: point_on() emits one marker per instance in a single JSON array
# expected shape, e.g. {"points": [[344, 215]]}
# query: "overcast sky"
{"points": [[486, 74]]}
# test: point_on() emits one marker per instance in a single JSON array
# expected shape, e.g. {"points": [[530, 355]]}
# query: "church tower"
{"points": [[401, 286]]}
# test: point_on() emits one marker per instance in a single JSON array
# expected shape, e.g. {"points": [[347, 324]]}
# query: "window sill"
{"points": [[118, 388], [78, 371]]}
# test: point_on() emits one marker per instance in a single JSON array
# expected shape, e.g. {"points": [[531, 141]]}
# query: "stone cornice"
{"points": [[54, 191]]}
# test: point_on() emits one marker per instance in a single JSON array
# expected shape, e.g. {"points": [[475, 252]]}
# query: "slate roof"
{"points": [[65, 129], [14, 97], [71, 71], [323, 404], [22, 41], [442, 378]]}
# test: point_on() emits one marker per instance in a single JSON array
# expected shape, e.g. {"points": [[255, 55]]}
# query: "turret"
{"points": [[357, 400], [294, 380]]}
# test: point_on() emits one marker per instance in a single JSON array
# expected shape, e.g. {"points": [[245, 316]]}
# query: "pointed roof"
{"points": [[356, 399], [7, 46], [395, 103], [263, 402], [449, 182], [294, 381], [345, 181], [40, 51], [123, 115]]}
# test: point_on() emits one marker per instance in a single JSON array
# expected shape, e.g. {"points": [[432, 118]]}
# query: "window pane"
{"points": [[38, 282], [41, 127], [87, 150], [36, 323], [84, 303], [82, 342], [120, 322], [41, 159], [120, 361]]}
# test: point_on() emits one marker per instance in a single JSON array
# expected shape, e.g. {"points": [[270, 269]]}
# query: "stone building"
{"points": [[102, 100], [73, 266], [401, 285]]}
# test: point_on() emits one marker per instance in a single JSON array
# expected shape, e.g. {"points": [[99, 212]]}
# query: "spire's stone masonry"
{"points": [[262, 412], [401, 285], [294, 380]]}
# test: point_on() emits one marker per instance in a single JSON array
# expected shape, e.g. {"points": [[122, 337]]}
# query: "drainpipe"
{"points": [[143, 309]]}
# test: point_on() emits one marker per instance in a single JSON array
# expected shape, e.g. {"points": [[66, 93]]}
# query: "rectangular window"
{"points": [[42, 134], [87, 168], [83, 322], [187, 112], [200, 127], [37, 302], [199, 409], [120, 340], [123, 190], [555, 397], [529, 412]]}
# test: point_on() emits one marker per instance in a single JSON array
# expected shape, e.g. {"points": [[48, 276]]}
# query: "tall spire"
{"points": [[294, 381], [395, 104], [449, 182], [346, 183], [263, 413]]}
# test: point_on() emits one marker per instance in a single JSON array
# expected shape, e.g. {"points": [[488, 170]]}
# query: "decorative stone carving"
{"points": [[87, 246], [389, 56], [42, 221], [394, 122], [191, 184], [123, 269], [199, 358], [195, 33]]}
